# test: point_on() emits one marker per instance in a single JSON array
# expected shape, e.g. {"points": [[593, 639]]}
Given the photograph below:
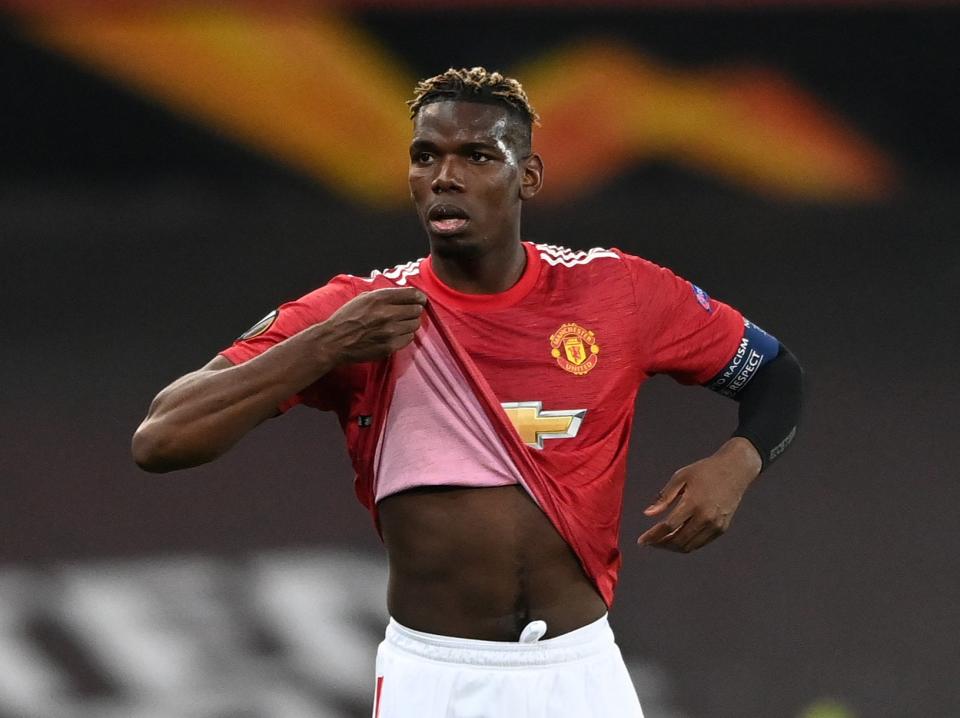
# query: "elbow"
{"points": [[159, 448], [152, 449]]}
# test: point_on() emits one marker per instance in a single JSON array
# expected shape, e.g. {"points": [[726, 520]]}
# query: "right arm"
{"points": [[202, 414]]}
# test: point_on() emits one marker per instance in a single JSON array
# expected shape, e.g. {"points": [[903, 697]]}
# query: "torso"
{"points": [[477, 560], [481, 564], [480, 560], [564, 353]]}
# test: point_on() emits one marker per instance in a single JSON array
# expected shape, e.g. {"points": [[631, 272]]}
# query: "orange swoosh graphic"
{"points": [[611, 106], [315, 92]]}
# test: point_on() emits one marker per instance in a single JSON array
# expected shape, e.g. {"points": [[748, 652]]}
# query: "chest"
{"points": [[580, 349]]}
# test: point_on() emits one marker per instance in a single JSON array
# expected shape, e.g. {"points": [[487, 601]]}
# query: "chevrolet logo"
{"points": [[534, 425]]}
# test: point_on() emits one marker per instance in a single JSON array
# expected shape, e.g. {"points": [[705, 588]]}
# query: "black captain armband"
{"points": [[766, 379]]}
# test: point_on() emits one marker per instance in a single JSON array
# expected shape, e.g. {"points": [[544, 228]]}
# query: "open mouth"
{"points": [[447, 219]]}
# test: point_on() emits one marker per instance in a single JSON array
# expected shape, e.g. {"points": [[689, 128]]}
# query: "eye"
{"points": [[422, 157], [480, 157]]}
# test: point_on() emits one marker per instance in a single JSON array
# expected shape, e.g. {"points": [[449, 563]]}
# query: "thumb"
{"points": [[667, 495]]}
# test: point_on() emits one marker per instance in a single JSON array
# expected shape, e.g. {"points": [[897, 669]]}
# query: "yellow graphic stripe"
{"points": [[606, 105], [322, 96], [309, 89]]}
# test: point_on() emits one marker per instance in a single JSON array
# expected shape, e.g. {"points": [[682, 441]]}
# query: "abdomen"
{"points": [[481, 563]]}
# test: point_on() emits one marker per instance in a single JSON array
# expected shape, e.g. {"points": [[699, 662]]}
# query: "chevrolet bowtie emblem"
{"points": [[535, 425]]}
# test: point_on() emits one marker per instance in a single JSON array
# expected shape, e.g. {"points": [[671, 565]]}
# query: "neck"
{"points": [[490, 273]]}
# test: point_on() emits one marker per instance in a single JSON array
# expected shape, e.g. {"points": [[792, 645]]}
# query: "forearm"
{"points": [[201, 415], [741, 453], [708, 492], [770, 407]]}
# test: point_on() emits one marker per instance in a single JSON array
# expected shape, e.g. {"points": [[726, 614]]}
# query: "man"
{"points": [[486, 394]]}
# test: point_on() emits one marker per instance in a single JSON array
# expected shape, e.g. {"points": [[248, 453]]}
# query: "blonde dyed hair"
{"points": [[475, 84]]}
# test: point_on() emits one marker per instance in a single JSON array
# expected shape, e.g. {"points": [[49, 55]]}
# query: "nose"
{"points": [[448, 177]]}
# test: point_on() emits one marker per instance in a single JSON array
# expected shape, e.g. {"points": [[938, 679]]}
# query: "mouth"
{"points": [[447, 219]]}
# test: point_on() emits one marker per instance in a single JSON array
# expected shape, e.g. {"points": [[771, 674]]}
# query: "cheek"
{"points": [[418, 181], [503, 188]]}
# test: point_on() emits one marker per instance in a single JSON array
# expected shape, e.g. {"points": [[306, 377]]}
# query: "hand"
{"points": [[707, 493], [375, 324]]}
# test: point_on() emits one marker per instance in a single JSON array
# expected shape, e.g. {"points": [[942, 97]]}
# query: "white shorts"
{"points": [[580, 674]]}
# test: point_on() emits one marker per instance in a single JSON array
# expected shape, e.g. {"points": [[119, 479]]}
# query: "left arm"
{"points": [[706, 493]]}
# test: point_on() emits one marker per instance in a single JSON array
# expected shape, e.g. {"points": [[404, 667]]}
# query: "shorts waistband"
{"points": [[590, 640]]}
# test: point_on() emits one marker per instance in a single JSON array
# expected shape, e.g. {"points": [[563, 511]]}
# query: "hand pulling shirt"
{"points": [[534, 386]]}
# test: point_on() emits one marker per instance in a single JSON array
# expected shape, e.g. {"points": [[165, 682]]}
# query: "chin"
{"points": [[456, 247]]}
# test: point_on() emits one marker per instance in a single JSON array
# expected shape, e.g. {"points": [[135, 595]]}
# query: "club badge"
{"points": [[574, 348]]}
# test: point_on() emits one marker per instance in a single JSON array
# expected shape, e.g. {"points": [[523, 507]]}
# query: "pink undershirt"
{"points": [[436, 432]]}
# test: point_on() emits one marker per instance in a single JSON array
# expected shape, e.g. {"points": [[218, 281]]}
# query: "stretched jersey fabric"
{"points": [[540, 380], [437, 422]]}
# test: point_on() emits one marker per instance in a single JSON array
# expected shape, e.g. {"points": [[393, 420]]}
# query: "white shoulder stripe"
{"points": [[400, 273], [554, 255]]}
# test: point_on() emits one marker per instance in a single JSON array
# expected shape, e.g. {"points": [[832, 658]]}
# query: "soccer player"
{"points": [[486, 394]]}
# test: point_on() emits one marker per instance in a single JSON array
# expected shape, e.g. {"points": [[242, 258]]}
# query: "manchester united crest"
{"points": [[574, 348]]}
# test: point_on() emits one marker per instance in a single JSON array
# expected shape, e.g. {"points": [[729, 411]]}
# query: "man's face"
{"points": [[466, 178]]}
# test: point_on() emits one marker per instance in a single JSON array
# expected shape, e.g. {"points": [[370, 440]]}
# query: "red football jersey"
{"points": [[556, 362]]}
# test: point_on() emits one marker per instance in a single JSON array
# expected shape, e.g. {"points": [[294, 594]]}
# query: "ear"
{"points": [[532, 179]]}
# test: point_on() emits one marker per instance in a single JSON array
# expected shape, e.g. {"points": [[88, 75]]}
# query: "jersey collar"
{"points": [[450, 297]]}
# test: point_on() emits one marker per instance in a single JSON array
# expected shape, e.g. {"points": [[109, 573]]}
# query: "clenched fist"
{"points": [[375, 324]]}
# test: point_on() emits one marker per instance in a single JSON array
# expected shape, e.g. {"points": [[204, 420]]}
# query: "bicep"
{"points": [[190, 383], [688, 334], [220, 362]]}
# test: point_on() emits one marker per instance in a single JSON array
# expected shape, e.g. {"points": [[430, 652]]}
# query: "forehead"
{"points": [[460, 121]]}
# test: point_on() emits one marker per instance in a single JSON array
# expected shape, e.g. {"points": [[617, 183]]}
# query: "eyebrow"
{"points": [[420, 144]]}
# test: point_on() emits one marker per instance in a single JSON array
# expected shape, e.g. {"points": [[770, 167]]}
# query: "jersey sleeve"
{"points": [[289, 319], [681, 331]]}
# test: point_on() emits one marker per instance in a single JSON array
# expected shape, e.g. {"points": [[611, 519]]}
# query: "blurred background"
{"points": [[171, 172]]}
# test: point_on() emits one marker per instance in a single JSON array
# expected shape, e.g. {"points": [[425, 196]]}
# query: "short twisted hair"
{"points": [[474, 85], [477, 84]]}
